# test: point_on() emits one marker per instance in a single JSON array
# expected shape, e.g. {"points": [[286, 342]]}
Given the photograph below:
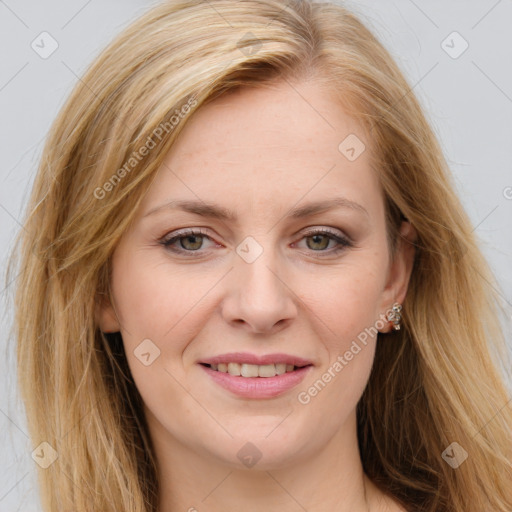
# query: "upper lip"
{"points": [[247, 358]]}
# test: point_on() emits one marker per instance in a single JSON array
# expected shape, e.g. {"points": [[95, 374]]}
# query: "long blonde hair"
{"points": [[438, 381]]}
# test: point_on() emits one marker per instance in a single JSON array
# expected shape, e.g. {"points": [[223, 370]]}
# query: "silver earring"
{"points": [[395, 315]]}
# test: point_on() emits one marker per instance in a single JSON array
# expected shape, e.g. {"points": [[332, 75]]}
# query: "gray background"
{"points": [[468, 100]]}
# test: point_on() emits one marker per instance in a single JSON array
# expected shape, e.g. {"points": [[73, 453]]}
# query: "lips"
{"points": [[243, 382], [247, 358], [257, 387]]}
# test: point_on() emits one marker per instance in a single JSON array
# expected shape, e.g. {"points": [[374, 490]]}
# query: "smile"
{"points": [[254, 370], [244, 382]]}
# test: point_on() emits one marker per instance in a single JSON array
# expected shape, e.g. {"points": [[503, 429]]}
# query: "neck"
{"points": [[330, 479]]}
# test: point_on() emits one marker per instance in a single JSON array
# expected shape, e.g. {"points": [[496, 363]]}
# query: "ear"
{"points": [[400, 269], [105, 315]]}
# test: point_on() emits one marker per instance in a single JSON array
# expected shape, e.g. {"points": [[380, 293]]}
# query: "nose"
{"points": [[260, 297]]}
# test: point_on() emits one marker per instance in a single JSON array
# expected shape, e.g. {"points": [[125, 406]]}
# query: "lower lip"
{"points": [[258, 387]]}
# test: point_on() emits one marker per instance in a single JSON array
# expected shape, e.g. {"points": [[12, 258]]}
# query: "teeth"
{"points": [[253, 370], [233, 368], [265, 370], [280, 368]]}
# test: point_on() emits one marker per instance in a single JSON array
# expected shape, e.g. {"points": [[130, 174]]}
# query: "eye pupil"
{"points": [[315, 238], [188, 238]]}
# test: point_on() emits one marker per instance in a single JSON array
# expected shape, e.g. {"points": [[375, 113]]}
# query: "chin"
{"points": [[263, 451]]}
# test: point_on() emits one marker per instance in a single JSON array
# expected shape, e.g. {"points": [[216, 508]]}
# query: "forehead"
{"points": [[291, 117], [268, 146]]}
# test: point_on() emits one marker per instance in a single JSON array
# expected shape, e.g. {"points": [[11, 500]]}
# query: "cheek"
{"points": [[156, 311], [336, 388], [348, 300], [160, 310], [348, 306], [153, 301]]}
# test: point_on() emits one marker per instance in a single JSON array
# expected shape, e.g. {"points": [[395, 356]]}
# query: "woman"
{"points": [[248, 282]]}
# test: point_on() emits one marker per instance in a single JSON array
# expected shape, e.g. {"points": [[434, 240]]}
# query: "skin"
{"points": [[259, 152]]}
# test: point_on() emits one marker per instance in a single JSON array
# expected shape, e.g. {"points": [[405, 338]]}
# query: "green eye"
{"points": [[191, 241]]}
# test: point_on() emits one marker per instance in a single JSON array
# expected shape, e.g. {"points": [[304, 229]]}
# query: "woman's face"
{"points": [[260, 283]]}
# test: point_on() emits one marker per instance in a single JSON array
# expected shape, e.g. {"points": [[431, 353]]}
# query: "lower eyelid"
{"points": [[342, 242], [168, 242]]}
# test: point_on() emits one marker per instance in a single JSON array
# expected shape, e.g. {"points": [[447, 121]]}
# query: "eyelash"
{"points": [[342, 241]]}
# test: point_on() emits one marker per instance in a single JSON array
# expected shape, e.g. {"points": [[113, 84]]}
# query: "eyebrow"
{"points": [[218, 212]]}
